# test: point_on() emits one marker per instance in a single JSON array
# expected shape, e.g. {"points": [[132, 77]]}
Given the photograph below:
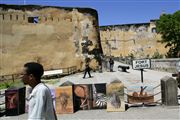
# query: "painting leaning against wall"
{"points": [[115, 97], [140, 94], [64, 99]]}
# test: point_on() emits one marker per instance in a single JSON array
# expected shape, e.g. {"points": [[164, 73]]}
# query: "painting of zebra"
{"points": [[99, 96]]}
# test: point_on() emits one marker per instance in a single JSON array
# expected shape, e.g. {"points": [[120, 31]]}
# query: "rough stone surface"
{"points": [[169, 91], [56, 40], [139, 39]]}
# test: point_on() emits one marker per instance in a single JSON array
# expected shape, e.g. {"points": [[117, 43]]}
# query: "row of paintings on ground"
{"points": [[71, 98]]}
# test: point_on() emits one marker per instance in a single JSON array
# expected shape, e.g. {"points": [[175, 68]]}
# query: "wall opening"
{"points": [[16, 17], [10, 17], [153, 30], [33, 19]]}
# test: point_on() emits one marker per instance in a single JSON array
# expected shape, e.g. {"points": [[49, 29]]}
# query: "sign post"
{"points": [[142, 75], [141, 64]]}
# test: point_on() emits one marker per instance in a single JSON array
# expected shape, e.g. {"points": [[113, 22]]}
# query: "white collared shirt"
{"points": [[41, 104]]}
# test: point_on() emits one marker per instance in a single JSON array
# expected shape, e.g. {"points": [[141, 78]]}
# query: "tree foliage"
{"points": [[157, 55], [169, 27]]}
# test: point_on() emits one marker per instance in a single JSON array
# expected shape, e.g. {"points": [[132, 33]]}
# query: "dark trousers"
{"points": [[87, 71], [111, 67]]}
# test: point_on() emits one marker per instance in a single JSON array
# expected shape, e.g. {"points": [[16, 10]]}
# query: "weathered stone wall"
{"points": [[56, 40], [168, 65], [141, 40]]}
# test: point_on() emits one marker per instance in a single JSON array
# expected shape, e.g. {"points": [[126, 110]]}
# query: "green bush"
{"points": [[157, 55], [9, 84]]}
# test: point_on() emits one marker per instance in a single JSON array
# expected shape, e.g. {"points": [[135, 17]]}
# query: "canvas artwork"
{"points": [[140, 94], [53, 94], [115, 96], [64, 99], [28, 91], [82, 97], [15, 101], [11, 99], [99, 96]]}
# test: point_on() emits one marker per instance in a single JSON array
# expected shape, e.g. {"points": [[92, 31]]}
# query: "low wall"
{"points": [[168, 64]]}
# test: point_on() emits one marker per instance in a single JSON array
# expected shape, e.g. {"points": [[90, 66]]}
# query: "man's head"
{"points": [[32, 73]]}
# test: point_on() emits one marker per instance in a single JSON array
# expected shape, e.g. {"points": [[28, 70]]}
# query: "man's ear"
{"points": [[31, 76]]}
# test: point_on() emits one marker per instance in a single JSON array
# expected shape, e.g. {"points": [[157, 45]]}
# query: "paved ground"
{"points": [[132, 77], [155, 113]]}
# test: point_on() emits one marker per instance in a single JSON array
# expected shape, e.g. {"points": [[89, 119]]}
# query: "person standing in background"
{"points": [[111, 63]]}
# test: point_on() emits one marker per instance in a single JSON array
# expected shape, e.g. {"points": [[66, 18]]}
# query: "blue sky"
{"points": [[113, 12]]}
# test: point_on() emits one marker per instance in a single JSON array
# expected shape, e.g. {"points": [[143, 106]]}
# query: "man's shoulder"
{"points": [[42, 87]]}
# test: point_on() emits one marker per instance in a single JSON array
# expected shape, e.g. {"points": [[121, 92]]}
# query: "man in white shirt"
{"points": [[40, 100]]}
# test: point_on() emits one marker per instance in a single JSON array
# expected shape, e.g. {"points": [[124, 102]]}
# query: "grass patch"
{"points": [[9, 84], [18, 83]]}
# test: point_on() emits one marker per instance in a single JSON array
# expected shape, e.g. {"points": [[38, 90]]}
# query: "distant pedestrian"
{"points": [[111, 63], [87, 70]]}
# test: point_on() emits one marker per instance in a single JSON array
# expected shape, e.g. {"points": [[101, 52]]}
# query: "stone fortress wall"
{"points": [[168, 65], [139, 39], [61, 37], [53, 36]]}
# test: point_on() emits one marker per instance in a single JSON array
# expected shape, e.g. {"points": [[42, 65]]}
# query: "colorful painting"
{"points": [[11, 99], [140, 94], [99, 96], [115, 96], [64, 99], [28, 91], [82, 97], [53, 94], [15, 101]]}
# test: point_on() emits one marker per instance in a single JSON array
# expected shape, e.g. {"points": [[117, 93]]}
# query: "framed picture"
{"points": [[53, 94], [140, 94], [99, 96], [28, 92], [64, 99], [83, 97], [15, 101], [115, 96]]}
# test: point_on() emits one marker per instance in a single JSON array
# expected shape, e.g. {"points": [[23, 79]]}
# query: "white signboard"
{"points": [[141, 64], [53, 72]]}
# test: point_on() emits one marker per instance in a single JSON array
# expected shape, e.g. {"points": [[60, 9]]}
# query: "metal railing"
{"points": [[65, 72], [13, 77], [69, 70]]}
